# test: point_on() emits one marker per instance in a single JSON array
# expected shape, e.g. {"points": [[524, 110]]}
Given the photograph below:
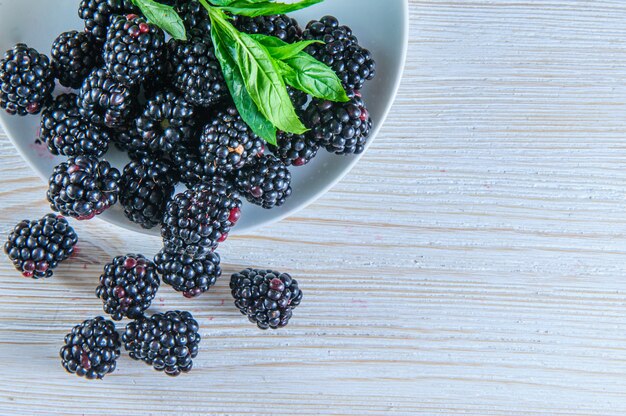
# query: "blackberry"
{"points": [[195, 71], [194, 16], [342, 128], [295, 149], [74, 55], [192, 168], [197, 220], [26, 81], [133, 49], [266, 183], [37, 247], [145, 188], [91, 349], [188, 274], [265, 296], [97, 15], [83, 187], [166, 341], [105, 102], [281, 26], [341, 51], [66, 133], [228, 143], [128, 286], [129, 140], [166, 121]]}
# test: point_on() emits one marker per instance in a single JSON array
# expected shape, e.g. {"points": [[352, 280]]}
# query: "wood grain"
{"points": [[472, 263]]}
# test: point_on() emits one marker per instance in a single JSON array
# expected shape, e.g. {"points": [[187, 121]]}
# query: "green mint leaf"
{"points": [[222, 2], [164, 17], [266, 8], [282, 50], [245, 105]]}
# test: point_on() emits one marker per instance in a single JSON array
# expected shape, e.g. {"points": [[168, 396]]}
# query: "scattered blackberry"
{"points": [[97, 15], [67, 134], [341, 51], [127, 286], [26, 81], [266, 183], [166, 341], [265, 296], [91, 349], [192, 168], [133, 49], [37, 247], [166, 121], [228, 143], [74, 55], [194, 15], [83, 187], [295, 149], [145, 188], [195, 71], [281, 26], [343, 128], [197, 220], [105, 102], [188, 274]]}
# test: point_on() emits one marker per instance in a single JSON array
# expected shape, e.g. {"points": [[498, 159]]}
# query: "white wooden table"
{"points": [[473, 263]]}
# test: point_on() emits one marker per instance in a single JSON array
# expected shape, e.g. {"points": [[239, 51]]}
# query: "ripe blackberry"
{"points": [[195, 71], [91, 349], [166, 121], [188, 274], [129, 140], [26, 81], [127, 286], [295, 149], [145, 188], [266, 183], [74, 55], [194, 15], [37, 247], [281, 26], [97, 15], [265, 296], [341, 51], [343, 128], [105, 102], [133, 49], [66, 133], [197, 220], [228, 143], [83, 187], [166, 341], [193, 170]]}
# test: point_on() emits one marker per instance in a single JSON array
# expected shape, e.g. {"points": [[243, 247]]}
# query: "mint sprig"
{"points": [[258, 68]]}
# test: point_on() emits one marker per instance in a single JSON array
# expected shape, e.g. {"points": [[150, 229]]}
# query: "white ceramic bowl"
{"points": [[380, 25]]}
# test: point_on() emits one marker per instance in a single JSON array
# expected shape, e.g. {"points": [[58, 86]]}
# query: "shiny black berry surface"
{"points": [[191, 275]]}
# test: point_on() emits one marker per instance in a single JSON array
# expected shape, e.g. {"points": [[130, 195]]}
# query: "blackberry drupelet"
{"points": [[133, 49], [128, 286], [197, 220], [66, 133], [166, 121], [281, 26], [74, 55], [342, 128], [188, 274], [166, 341], [194, 16], [91, 349], [341, 51], [265, 296], [83, 187], [228, 143], [295, 149], [97, 15], [105, 102], [146, 187], [37, 247], [26, 81], [266, 183], [195, 71]]}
